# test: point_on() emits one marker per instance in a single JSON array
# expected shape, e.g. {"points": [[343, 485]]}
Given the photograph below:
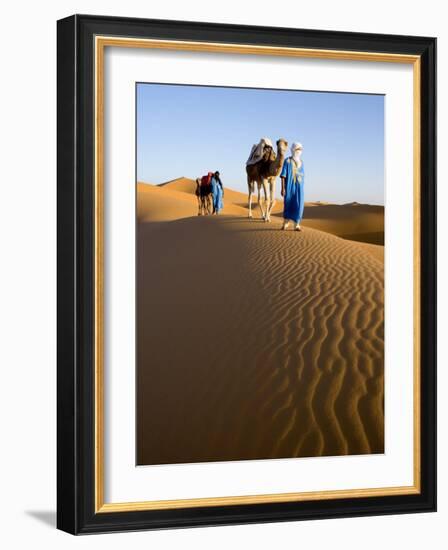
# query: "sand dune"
{"points": [[352, 221], [186, 185], [156, 203], [253, 342]]}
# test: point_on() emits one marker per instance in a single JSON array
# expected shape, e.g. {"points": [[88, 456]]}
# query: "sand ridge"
{"points": [[159, 203], [352, 221]]}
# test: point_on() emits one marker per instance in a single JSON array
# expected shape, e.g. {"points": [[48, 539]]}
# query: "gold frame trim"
{"points": [[101, 42]]}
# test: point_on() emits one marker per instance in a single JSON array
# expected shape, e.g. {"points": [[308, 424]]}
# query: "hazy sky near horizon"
{"points": [[190, 130]]}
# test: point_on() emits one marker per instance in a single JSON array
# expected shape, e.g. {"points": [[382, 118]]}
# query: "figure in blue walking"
{"points": [[293, 179], [217, 192]]}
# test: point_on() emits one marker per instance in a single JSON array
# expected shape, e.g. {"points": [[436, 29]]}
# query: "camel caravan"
{"points": [[263, 167], [210, 193]]}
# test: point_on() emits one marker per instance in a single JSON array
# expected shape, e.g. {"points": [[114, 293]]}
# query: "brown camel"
{"points": [[269, 173], [254, 176], [204, 198], [264, 173]]}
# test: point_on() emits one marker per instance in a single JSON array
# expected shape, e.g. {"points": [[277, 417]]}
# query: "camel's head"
{"points": [[282, 146]]}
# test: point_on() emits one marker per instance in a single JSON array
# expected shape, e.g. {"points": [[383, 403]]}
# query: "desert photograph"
{"points": [[259, 274]]}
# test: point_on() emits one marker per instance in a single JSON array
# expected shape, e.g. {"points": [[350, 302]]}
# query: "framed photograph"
{"points": [[246, 274]]}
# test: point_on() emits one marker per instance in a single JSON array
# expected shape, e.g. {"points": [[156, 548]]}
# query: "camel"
{"points": [[264, 173], [204, 199], [269, 173], [254, 177]]}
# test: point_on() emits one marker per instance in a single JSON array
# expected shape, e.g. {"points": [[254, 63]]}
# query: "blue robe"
{"points": [[217, 195], [294, 196]]}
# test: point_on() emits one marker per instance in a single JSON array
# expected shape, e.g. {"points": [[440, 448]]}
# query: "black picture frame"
{"points": [[75, 265]]}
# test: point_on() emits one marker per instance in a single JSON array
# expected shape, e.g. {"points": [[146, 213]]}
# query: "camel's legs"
{"points": [[271, 202], [198, 196], [210, 203], [260, 201], [250, 187]]}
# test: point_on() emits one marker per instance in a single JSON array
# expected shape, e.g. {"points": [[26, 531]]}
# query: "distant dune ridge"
{"points": [[353, 221], [252, 342]]}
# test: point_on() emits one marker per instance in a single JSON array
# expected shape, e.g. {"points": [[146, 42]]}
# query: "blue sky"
{"points": [[190, 130]]}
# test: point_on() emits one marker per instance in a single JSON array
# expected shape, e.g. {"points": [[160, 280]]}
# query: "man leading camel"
{"points": [[217, 193], [293, 178]]}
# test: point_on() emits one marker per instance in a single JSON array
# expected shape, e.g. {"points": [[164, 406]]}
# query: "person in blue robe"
{"points": [[293, 179], [217, 192]]}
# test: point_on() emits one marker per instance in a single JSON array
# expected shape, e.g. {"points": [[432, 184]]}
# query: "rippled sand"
{"points": [[253, 342]]}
